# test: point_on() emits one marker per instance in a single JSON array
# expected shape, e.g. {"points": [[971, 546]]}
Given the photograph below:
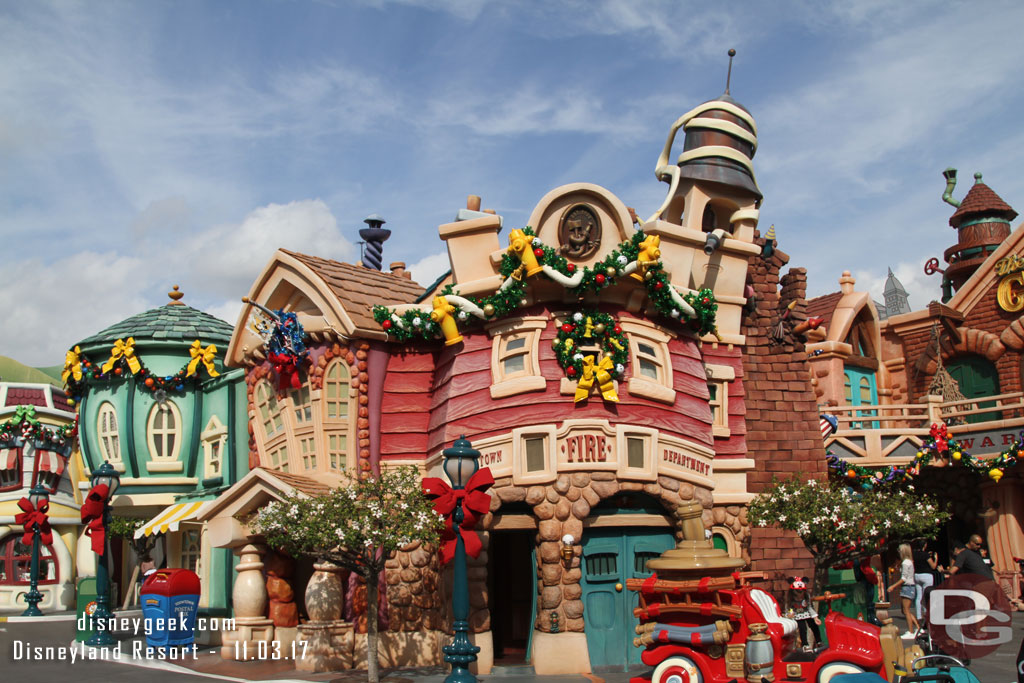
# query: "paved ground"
{"points": [[18, 636]]}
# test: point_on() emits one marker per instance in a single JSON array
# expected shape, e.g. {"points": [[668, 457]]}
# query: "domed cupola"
{"points": [[721, 140], [982, 221]]}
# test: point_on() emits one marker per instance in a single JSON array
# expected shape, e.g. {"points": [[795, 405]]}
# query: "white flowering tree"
{"points": [[357, 527], [838, 524]]}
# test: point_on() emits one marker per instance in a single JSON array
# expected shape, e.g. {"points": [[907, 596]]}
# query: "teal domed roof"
{"points": [[174, 322]]}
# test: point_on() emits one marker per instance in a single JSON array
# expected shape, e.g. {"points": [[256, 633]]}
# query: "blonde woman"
{"points": [[907, 589]]}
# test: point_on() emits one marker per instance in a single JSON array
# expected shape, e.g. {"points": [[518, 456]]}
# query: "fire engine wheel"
{"points": [[677, 670], [833, 669]]}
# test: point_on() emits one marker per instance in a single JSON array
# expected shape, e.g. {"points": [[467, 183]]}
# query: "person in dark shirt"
{"points": [[969, 561]]}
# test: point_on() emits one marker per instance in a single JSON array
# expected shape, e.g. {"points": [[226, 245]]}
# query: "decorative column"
{"points": [[249, 598], [330, 642]]}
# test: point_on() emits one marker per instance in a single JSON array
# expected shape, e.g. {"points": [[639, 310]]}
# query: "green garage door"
{"points": [[977, 378]]}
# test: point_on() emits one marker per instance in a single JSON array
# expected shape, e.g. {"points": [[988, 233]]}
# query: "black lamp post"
{"points": [[460, 463], [104, 474], [37, 496]]}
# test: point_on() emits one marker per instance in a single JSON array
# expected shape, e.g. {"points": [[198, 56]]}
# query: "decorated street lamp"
{"points": [[96, 517], [33, 518], [461, 505]]}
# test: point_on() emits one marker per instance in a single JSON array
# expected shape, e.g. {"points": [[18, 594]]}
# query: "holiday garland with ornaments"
{"points": [[25, 425], [638, 258], [124, 362], [938, 449], [585, 329]]}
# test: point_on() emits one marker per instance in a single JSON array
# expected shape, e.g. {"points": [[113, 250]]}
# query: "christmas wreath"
{"points": [[588, 329]]}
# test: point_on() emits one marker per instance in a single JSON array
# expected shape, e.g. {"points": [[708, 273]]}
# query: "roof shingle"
{"points": [[359, 289], [823, 306], [167, 323], [981, 201]]}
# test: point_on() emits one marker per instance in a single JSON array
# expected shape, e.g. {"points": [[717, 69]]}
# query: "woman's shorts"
{"points": [[908, 592]]}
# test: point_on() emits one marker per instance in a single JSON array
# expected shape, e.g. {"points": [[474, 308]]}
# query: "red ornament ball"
{"points": [[538, 252], [567, 327], [706, 300], [117, 371], [570, 371], [659, 285], [571, 267], [386, 324], [599, 278], [618, 329]]}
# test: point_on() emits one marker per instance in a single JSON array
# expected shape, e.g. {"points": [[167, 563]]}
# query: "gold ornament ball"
{"points": [[607, 354], [957, 455], [523, 302], [610, 271], [648, 275], [599, 328], [488, 310]]}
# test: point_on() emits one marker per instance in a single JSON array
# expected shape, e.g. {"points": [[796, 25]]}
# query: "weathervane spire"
{"points": [[728, 77]]}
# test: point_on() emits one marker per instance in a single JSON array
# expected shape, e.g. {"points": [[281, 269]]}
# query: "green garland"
{"points": [[584, 328], [414, 324], [25, 425], [93, 375], [938, 446]]}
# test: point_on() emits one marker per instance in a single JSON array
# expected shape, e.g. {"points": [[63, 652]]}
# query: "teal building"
{"points": [[156, 401]]}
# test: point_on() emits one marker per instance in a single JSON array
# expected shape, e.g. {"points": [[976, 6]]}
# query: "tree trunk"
{"points": [[372, 663]]}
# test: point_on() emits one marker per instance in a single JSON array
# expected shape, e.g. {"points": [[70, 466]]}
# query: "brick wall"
{"points": [[783, 436]]}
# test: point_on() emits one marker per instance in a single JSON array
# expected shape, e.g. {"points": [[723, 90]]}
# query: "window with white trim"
{"points": [[106, 433], [302, 405], [515, 365], [650, 373], [268, 408], [533, 454], [719, 377], [336, 391], [307, 448], [214, 438], [636, 447], [337, 451], [163, 431], [279, 458]]}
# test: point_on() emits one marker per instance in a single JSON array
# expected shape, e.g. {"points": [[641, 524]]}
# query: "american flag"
{"points": [[829, 425]]}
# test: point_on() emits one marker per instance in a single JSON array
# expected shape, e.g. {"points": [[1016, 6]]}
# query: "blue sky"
{"points": [[145, 144]]}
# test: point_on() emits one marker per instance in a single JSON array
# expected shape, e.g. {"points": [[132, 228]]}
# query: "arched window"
{"points": [[16, 562], [163, 431], [106, 431], [335, 416], [191, 549], [268, 410], [302, 407]]}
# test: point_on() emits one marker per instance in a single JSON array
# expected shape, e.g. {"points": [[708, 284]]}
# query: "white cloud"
{"points": [[430, 267]]}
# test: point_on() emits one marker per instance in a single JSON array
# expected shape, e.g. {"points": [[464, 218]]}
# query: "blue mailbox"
{"points": [[170, 603]]}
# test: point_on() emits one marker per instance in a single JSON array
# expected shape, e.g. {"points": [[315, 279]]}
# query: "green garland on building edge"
{"points": [[937, 447], [25, 425], [605, 273]]}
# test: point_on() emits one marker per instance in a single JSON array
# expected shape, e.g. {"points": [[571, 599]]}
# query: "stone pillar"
{"points": [[249, 598], [329, 641]]}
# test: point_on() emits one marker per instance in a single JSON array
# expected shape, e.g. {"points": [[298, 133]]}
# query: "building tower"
{"points": [[982, 221], [896, 301]]}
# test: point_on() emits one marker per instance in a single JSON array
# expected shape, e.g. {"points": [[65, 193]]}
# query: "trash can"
{"points": [[170, 603], [85, 605]]}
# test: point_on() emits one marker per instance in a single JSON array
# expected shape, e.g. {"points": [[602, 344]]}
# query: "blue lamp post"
{"points": [[461, 462], [104, 474], [37, 495]]}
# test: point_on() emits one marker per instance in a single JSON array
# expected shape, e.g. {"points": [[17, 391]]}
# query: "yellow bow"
{"points": [[605, 382], [72, 365], [123, 349], [201, 355]]}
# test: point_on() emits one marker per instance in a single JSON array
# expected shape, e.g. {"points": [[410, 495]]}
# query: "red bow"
{"points": [[31, 518], [92, 517], [475, 503], [941, 436], [287, 372]]}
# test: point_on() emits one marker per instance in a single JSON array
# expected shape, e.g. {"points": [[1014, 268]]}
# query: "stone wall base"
{"points": [[560, 653], [327, 646], [243, 642], [403, 648]]}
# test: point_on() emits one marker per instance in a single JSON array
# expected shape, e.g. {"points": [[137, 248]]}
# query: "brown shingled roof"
{"points": [[823, 306], [299, 482], [980, 201], [26, 397], [359, 289]]}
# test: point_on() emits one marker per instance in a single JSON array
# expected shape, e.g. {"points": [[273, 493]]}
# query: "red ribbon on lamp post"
{"points": [[32, 517], [476, 503]]}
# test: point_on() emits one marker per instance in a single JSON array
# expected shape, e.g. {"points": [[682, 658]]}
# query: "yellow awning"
{"points": [[170, 518]]}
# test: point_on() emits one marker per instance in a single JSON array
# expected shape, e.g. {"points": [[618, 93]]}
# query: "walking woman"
{"points": [[926, 563], [907, 589]]}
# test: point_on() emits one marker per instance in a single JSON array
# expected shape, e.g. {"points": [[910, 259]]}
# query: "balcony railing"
{"points": [[891, 434]]}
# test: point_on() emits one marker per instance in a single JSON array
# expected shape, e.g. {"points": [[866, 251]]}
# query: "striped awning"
{"points": [[9, 458], [170, 518], [50, 461]]}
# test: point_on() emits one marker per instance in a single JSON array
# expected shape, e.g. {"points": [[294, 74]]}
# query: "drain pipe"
{"points": [[950, 175]]}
